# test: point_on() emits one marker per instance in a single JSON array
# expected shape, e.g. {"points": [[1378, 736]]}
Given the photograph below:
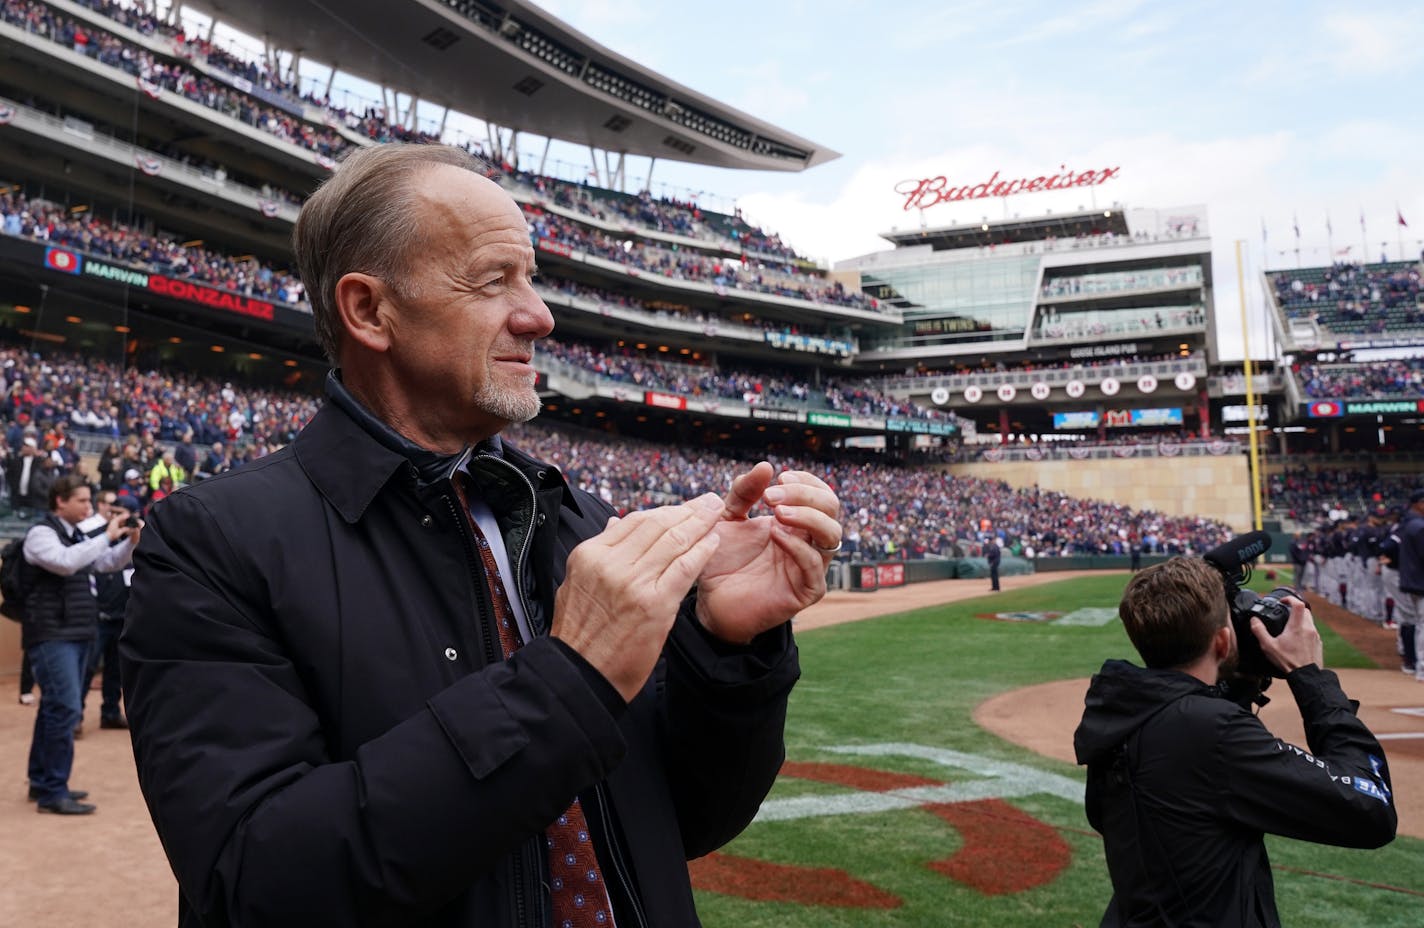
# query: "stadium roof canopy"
{"points": [[511, 64], [1005, 231]]}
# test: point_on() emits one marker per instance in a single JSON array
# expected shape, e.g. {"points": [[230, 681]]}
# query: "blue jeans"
{"points": [[59, 670], [105, 646]]}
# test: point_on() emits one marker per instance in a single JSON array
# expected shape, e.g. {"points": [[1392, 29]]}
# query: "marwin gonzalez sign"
{"points": [[932, 191]]}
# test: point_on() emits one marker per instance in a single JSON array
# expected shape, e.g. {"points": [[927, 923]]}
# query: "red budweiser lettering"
{"points": [[932, 191], [664, 400], [196, 293]]}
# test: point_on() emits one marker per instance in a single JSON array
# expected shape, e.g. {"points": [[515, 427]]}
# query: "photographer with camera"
{"points": [[61, 621], [1183, 779]]}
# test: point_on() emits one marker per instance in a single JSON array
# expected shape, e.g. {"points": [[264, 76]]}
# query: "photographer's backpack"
{"points": [[12, 579]]}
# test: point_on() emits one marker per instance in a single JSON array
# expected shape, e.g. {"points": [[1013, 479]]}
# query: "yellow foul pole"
{"points": [[1255, 453]]}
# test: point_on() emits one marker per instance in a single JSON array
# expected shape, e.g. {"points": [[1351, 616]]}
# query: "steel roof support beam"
{"points": [[593, 163], [294, 67], [548, 140], [619, 180]]}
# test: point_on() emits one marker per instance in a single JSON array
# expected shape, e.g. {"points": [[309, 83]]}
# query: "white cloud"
{"points": [[1094, 16], [1357, 44]]}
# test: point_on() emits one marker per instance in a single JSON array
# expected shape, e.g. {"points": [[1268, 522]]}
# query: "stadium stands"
{"points": [[1376, 379], [895, 511], [1353, 299], [92, 235], [1308, 494], [751, 387], [607, 258], [889, 511], [556, 234]]}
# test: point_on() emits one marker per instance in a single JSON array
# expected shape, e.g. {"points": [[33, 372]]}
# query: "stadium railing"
{"points": [[1082, 451], [72, 133], [1164, 371]]}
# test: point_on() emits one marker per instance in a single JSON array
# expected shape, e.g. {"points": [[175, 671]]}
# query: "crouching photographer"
{"points": [[1183, 779]]}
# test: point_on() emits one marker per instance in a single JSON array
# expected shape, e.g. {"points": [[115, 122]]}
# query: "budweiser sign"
{"points": [[932, 191]]}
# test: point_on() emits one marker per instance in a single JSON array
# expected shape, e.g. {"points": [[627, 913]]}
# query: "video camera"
{"points": [[1232, 560]]}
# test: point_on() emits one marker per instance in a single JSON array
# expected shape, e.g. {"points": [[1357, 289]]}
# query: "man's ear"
{"points": [[1222, 641], [361, 308]]}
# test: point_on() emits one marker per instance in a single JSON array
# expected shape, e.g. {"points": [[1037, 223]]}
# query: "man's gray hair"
{"points": [[362, 219]]}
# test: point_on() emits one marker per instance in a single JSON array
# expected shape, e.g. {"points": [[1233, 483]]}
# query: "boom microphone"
{"points": [[1231, 556]]}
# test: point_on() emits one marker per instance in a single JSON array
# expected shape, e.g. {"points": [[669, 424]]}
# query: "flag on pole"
{"points": [[1401, 217], [1263, 231], [1328, 230], [1296, 224]]}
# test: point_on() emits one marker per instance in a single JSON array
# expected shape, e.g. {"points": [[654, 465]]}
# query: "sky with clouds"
{"points": [[1269, 113], [1274, 114]]}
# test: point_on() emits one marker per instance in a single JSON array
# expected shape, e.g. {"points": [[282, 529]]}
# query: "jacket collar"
{"points": [[350, 455]]}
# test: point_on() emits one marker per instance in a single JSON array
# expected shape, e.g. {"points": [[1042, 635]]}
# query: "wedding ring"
{"points": [[827, 550]]}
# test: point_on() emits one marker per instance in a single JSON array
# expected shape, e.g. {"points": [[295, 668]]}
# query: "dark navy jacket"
{"points": [[324, 735]]}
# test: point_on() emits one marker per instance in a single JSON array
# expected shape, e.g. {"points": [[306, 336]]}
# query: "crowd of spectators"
{"points": [[1375, 298], [1314, 495], [888, 511], [678, 312], [755, 388], [156, 75], [158, 424], [667, 214], [90, 233], [1373, 379], [206, 426], [178, 77], [553, 230], [215, 171], [766, 264]]}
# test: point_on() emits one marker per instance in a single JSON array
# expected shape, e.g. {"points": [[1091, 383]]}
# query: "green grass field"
{"points": [[914, 679]]}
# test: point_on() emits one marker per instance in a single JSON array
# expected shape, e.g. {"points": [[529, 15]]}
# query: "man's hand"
{"points": [[1297, 645], [623, 587], [115, 529], [771, 567]]}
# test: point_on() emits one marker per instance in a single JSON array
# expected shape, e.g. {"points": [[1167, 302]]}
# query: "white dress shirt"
{"points": [[47, 551]]}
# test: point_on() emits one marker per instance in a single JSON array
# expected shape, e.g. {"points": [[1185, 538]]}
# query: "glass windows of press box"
{"points": [[974, 301], [1147, 320], [1123, 282]]}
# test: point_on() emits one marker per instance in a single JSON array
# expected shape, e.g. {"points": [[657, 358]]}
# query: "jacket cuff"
{"points": [[606, 693], [1314, 686], [764, 668]]}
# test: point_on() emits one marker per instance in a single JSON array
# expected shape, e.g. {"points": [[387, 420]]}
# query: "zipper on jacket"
{"points": [[615, 853], [483, 606], [527, 866], [522, 559]]}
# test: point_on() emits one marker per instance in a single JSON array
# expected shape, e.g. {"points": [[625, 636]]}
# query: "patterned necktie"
{"points": [[577, 893]]}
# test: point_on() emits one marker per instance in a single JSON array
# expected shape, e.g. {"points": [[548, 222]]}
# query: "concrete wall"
{"points": [[1218, 487]]}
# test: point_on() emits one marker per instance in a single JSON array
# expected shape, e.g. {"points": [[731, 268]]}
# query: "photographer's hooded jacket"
{"points": [[325, 735], [1183, 783]]}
